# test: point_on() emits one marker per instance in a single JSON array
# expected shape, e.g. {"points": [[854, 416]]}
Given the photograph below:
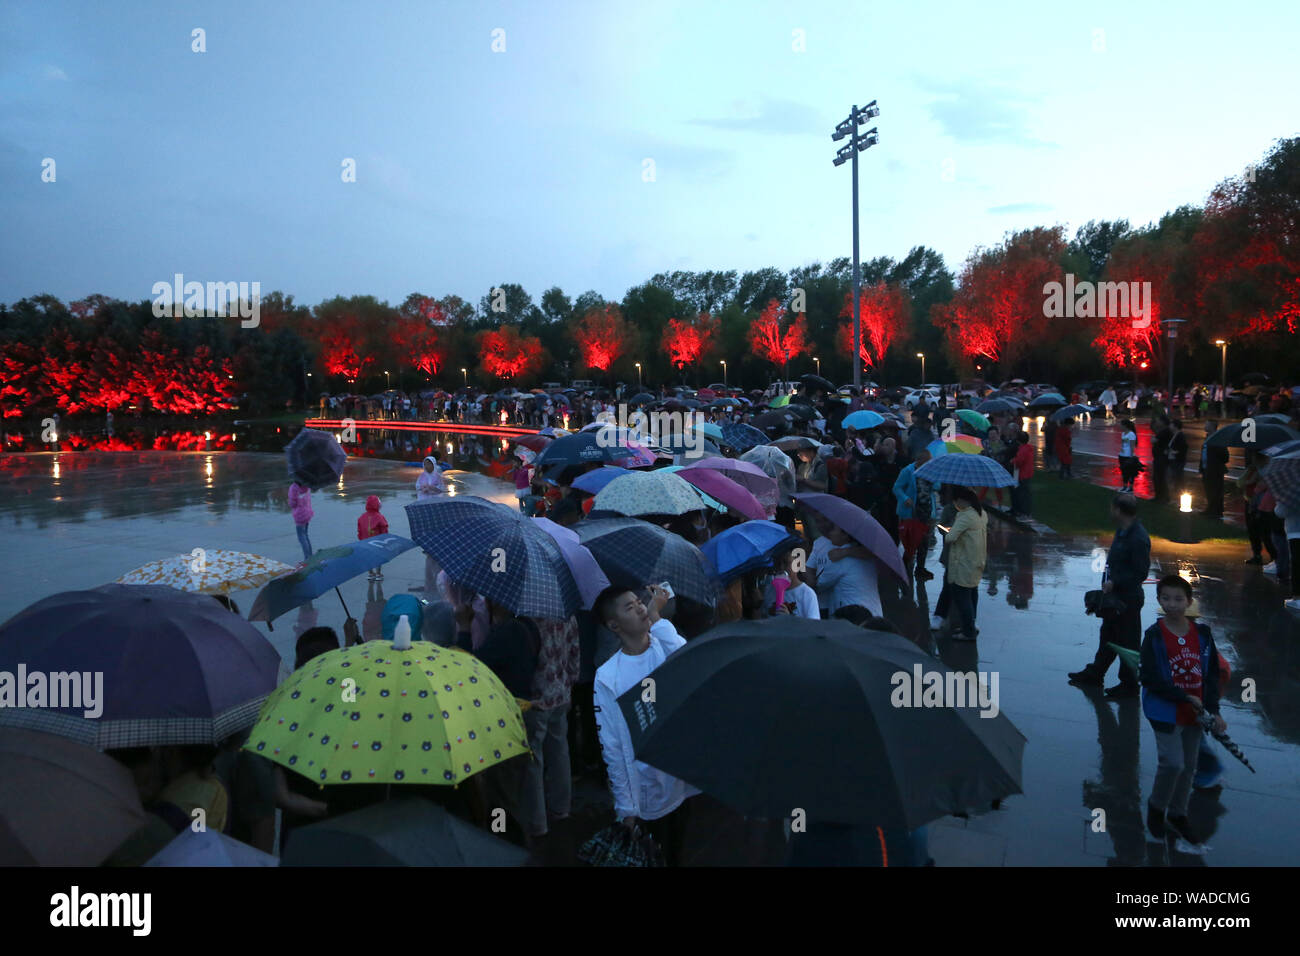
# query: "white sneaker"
{"points": [[1270, 568], [1294, 604]]}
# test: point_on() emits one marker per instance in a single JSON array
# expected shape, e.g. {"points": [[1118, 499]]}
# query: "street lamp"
{"points": [[1171, 325], [1223, 378], [638, 374], [819, 364], [921, 356], [466, 374], [857, 143], [388, 379], [724, 373]]}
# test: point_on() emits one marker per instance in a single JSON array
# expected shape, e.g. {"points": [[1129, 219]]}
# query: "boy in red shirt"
{"points": [[370, 524], [1180, 681]]}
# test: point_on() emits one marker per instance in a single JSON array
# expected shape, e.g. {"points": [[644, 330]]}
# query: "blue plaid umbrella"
{"points": [[747, 547], [177, 668], [973, 471], [742, 437], [495, 551], [325, 569], [315, 458], [593, 482], [1283, 476], [634, 553]]}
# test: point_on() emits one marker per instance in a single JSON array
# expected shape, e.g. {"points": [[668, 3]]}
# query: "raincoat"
{"points": [[430, 484], [372, 522], [967, 548], [300, 503]]}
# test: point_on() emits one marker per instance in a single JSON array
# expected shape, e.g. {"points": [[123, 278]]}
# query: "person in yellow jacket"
{"points": [[967, 554]]}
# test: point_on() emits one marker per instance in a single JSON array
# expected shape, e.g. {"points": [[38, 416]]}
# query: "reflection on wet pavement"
{"points": [[82, 519]]}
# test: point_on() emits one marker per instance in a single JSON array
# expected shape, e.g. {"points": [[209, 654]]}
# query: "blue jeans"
{"points": [[304, 540]]}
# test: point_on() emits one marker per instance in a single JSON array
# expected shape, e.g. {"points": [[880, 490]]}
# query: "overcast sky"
{"points": [[475, 167]]}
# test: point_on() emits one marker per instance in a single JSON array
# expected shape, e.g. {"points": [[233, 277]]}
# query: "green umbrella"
{"points": [[779, 402], [974, 419], [1130, 657]]}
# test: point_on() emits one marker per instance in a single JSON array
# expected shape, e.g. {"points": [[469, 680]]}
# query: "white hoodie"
{"points": [[639, 790], [430, 484]]}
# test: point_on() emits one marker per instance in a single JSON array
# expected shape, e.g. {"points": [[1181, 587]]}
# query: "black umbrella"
{"points": [[1049, 400], [404, 832], [634, 553], [773, 419], [1265, 434], [643, 398], [1070, 411], [816, 381], [996, 406], [580, 449], [801, 412], [827, 717], [315, 458]]}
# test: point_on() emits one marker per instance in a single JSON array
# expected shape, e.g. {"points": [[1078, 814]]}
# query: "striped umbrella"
{"points": [[649, 493], [492, 549], [633, 553], [973, 471], [208, 571]]}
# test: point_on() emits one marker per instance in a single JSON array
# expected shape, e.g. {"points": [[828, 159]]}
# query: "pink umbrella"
{"points": [[717, 484], [749, 476], [591, 579]]}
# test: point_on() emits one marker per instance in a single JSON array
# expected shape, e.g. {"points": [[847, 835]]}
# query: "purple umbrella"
{"points": [[859, 526], [591, 579], [593, 482], [749, 476], [717, 484], [176, 668]]}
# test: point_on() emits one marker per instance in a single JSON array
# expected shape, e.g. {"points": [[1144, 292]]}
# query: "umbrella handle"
{"points": [[341, 601]]}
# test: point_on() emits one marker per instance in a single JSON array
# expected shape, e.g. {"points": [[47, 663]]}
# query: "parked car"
{"points": [[929, 392], [583, 384]]}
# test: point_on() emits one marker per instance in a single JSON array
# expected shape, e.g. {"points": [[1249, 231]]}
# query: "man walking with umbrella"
{"points": [[1127, 565]]}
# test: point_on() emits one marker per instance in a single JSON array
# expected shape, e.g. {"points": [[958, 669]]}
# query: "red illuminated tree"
{"points": [[603, 336], [179, 383], [770, 337], [419, 343], [997, 311], [506, 354], [885, 311], [688, 340]]}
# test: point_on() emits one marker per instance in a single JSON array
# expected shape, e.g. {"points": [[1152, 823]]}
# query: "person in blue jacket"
{"points": [[1179, 674]]}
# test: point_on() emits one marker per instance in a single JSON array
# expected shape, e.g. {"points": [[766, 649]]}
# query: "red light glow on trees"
{"points": [[687, 341], [768, 340], [603, 336], [885, 311], [507, 354]]}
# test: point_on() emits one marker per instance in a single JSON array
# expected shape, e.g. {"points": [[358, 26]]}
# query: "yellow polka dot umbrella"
{"points": [[373, 713], [208, 571]]}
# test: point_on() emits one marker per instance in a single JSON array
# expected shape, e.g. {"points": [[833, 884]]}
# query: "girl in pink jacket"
{"points": [[300, 505]]}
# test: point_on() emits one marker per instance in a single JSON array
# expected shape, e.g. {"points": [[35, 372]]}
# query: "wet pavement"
{"points": [[77, 520]]}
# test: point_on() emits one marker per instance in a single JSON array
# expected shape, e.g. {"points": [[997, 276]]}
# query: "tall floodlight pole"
{"points": [[1171, 326], [857, 143]]}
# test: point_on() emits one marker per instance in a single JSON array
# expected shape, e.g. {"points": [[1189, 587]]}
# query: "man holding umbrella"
{"points": [[642, 794]]}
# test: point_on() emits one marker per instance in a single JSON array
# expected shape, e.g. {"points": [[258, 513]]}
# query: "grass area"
{"points": [[1074, 507]]}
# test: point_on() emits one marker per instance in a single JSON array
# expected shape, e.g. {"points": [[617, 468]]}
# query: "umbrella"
{"points": [[1070, 411], [858, 525], [789, 712], [62, 803], [973, 471], [405, 832], [742, 437], [694, 446], [1273, 418], [537, 443], [593, 481], [747, 547], [633, 553], [208, 571], [643, 398], [315, 458], [969, 440], [748, 475], [1283, 477], [974, 419], [863, 419], [550, 431], [325, 569], [423, 714], [1207, 723], [1048, 399], [709, 500], [582, 448], [779, 402], [649, 493], [801, 412], [495, 551], [582, 563], [794, 443], [1235, 435], [208, 848], [998, 406], [710, 429], [177, 668], [727, 402], [812, 380], [1282, 448], [772, 420], [719, 486], [962, 448], [937, 448], [776, 464]]}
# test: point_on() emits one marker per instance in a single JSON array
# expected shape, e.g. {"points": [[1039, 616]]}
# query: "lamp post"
{"points": [[466, 374], [819, 364], [785, 371], [724, 372], [388, 379], [1223, 377], [857, 143], [921, 356], [638, 374], [1171, 325]]}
